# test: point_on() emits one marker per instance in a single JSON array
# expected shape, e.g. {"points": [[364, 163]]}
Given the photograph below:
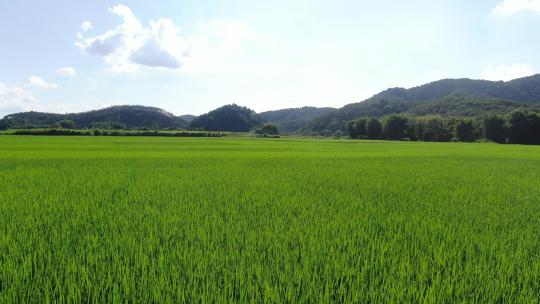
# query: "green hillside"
{"points": [[231, 118], [461, 97], [116, 117], [294, 119]]}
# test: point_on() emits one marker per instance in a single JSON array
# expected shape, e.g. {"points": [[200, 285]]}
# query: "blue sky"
{"points": [[193, 56]]}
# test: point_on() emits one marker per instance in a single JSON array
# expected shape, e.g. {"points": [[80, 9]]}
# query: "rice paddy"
{"points": [[191, 220]]}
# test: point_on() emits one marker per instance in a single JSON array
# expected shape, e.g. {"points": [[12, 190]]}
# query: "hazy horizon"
{"points": [[191, 57]]}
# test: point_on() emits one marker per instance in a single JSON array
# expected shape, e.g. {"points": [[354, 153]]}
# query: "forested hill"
{"points": [[462, 97], [449, 97], [232, 118], [294, 119], [117, 117]]}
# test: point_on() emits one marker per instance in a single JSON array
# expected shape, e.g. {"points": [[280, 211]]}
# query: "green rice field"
{"points": [[246, 220]]}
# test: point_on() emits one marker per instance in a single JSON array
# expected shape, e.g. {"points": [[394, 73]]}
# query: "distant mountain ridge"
{"points": [[522, 90], [294, 119], [447, 97], [188, 117], [231, 118], [481, 95]]}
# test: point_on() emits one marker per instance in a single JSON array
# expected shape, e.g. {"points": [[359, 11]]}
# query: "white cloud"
{"points": [[86, 26], [66, 71], [15, 99], [162, 46], [509, 7], [508, 72], [131, 45], [38, 82]]}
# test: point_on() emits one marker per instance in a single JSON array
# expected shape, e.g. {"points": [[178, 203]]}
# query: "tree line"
{"points": [[69, 132], [519, 127]]}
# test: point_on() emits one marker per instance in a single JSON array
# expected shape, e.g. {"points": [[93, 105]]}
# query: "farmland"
{"points": [[140, 219]]}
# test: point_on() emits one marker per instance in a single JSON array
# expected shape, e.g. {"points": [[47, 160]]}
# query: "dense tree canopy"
{"points": [[520, 127], [374, 128], [465, 130], [268, 129], [395, 126], [232, 118], [494, 128], [358, 128], [524, 128]]}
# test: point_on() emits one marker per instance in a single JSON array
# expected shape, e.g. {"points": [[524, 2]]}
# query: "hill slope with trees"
{"points": [[116, 117], [294, 119], [231, 118], [462, 97]]}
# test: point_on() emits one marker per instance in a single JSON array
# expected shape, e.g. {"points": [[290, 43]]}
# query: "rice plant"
{"points": [[189, 220]]}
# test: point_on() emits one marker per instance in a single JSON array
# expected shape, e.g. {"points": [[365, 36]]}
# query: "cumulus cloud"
{"points": [[15, 99], [508, 72], [66, 71], [38, 82], [509, 7], [131, 45], [86, 26]]}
